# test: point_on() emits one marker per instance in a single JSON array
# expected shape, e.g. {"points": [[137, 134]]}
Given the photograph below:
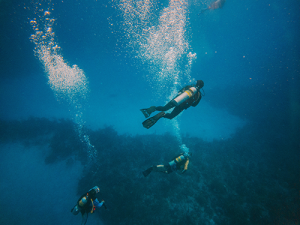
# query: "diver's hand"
{"points": [[104, 204]]}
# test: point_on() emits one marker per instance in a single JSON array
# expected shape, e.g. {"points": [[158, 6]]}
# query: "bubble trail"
{"points": [[69, 84], [163, 46]]}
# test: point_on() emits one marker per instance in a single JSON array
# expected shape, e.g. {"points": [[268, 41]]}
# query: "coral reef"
{"points": [[247, 179]]}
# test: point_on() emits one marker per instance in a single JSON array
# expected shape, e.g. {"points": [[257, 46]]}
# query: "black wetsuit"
{"points": [[88, 207], [91, 195], [167, 168], [193, 101]]}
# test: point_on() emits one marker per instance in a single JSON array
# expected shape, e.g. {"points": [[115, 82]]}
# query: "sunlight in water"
{"points": [[162, 44], [69, 84]]}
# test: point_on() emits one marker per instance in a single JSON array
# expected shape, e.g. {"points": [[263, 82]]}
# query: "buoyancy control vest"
{"points": [[177, 161]]}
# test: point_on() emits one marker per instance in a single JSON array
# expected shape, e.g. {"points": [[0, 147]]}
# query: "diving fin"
{"points": [[147, 112], [148, 171], [151, 121]]}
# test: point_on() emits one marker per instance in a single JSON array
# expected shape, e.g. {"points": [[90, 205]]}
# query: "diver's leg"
{"points": [[168, 106], [169, 168], [147, 112], [84, 218], [160, 168], [174, 113]]}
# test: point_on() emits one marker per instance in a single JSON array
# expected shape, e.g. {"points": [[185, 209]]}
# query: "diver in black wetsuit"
{"points": [[191, 97], [88, 203], [180, 162]]}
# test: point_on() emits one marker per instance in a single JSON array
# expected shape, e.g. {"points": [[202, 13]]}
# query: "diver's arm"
{"points": [[185, 166], [97, 203]]}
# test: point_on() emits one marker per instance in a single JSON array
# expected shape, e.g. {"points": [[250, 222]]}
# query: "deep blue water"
{"points": [[244, 134]]}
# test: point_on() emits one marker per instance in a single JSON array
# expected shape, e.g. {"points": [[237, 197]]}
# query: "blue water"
{"points": [[60, 139]]}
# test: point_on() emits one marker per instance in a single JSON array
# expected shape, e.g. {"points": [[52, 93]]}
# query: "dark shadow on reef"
{"points": [[252, 178], [59, 135]]}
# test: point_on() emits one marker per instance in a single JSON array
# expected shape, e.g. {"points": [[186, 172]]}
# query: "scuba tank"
{"points": [[80, 205], [174, 162], [185, 95], [83, 201], [179, 159]]}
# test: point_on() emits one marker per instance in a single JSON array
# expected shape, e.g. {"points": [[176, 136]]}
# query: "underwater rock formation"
{"points": [[243, 180]]}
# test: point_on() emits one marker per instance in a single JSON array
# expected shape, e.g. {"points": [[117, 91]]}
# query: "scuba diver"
{"points": [[87, 203], [186, 97], [180, 162], [215, 5]]}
